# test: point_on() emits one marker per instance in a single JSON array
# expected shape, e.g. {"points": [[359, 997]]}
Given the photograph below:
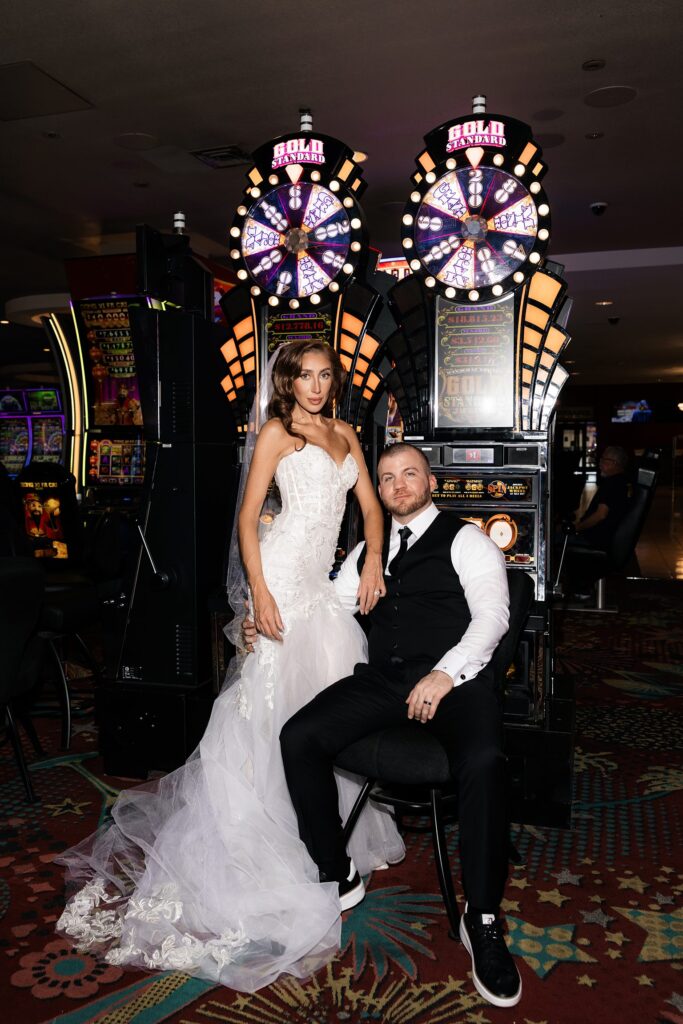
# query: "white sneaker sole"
{"points": [[478, 984], [353, 897]]}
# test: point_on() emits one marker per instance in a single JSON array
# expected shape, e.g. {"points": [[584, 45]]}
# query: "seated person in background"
{"points": [[597, 525]]}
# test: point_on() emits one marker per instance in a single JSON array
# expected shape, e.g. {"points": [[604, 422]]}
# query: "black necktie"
{"points": [[403, 533]]}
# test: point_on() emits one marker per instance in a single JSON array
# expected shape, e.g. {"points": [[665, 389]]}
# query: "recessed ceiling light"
{"points": [[610, 96], [4, 322], [604, 302], [595, 135], [594, 64]]}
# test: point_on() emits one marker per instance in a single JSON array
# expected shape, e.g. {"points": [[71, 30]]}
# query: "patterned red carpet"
{"points": [[594, 914]]}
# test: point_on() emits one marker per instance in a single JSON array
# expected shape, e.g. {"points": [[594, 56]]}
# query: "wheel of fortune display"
{"points": [[300, 239], [477, 223]]}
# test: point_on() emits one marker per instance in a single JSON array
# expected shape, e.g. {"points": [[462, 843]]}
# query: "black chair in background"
{"points": [[21, 592], [407, 769], [582, 565]]}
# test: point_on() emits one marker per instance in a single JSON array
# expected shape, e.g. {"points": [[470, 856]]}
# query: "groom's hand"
{"points": [[425, 696]]}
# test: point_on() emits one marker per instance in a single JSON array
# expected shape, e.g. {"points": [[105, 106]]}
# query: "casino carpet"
{"points": [[594, 914]]}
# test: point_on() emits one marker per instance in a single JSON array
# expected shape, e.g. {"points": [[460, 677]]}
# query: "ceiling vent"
{"points": [[222, 156]]}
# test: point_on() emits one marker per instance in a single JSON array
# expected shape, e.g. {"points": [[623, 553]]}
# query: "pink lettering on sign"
{"points": [[298, 151], [475, 133]]}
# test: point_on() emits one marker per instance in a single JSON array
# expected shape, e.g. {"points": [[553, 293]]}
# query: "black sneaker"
{"points": [[352, 889], [494, 972]]}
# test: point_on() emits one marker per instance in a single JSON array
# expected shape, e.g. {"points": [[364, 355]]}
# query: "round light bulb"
{"points": [[543, 234], [273, 301], [430, 281], [234, 254], [348, 202], [355, 223], [355, 246], [497, 289], [255, 290], [408, 218], [499, 159], [235, 232], [407, 243], [348, 268], [519, 170], [293, 303], [415, 264], [473, 295], [430, 177], [242, 210], [535, 187], [242, 274], [334, 185], [333, 286], [315, 175], [544, 210], [518, 277], [415, 197], [256, 192], [450, 164], [315, 299], [535, 257], [450, 293], [273, 179]]}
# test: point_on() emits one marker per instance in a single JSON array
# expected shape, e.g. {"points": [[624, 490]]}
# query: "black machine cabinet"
{"points": [[189, 485]]}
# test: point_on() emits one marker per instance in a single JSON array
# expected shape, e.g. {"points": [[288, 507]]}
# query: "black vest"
{"points": [[425, 611]]}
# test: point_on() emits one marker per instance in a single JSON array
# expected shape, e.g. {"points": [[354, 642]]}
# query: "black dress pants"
{"points": [[468, 722]]}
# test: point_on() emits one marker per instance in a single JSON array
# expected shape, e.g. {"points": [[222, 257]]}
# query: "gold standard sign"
{"points": [[475, 364]]}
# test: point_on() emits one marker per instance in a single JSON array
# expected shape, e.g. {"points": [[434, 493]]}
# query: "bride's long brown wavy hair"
{"points": [[287, 368]]}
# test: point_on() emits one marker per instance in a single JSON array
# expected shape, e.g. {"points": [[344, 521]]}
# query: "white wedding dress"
{"points": [[203, 870]]}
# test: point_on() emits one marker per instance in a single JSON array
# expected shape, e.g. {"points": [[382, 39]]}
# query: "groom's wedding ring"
{"points": [[427, 702], [377, 593]]}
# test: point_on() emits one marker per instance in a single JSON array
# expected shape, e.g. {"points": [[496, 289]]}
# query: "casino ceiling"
{"points": [[104, 108]]}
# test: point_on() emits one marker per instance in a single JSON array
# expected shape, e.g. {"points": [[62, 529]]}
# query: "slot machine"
{"points": [[474, 370], [305, 271]]}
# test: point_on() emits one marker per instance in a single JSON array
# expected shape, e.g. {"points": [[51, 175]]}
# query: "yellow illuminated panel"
{"points": [[368, 346], [255, 176], [555, 340], [536, 316], [249, 364], [229, 351], [345, 360], [544, 289], [538, 168], [347, 167], [426, 161], [532, 338], [347, 343], [247, 347], [243, 327], [351, 324], [527, 153]]}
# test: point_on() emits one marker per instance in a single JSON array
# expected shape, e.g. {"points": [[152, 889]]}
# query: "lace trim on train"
{"points": [[91, 927]]}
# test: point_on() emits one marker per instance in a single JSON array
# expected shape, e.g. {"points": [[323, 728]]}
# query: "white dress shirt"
{"points": [[480, 566]]}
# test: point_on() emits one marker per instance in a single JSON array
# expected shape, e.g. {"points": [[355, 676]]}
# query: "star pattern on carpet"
{"points": [[663, 941], [645, 980], [664, 901], [586, 981], [544, 948], [509, 906], [520, 883], [615, 954], [565, 877], [553, 896], [633, 882], [676, 1001], [67, 806], [596, 917]]}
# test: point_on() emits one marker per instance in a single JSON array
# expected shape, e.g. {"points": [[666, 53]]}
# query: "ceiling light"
{"points": [[593, 64], [610, 96], [592, 136], [604, 302]]}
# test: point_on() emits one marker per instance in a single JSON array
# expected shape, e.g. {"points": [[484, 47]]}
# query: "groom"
{"points": [[430, 642]]}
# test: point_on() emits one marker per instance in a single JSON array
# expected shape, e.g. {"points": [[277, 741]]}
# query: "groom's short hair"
{"points": [[402, 446]]}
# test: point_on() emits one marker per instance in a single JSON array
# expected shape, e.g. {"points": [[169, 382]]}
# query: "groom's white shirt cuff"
{"points": [[480, 566]]}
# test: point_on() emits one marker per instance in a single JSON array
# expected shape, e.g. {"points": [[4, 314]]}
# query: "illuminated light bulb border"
{"points": [[508, 162], [324, 178]]}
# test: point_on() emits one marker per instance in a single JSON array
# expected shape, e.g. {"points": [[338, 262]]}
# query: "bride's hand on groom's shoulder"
{"points": [[371, 586]]}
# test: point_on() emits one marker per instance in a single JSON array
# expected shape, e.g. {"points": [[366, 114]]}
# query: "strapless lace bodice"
{"points": [[298, 550]]}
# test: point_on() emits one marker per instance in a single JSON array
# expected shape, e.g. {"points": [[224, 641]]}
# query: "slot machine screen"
{"points": [[110, 362], [116, 462], [43, 400], [475, 365], [14, 443], [283, 327], [11, 402], [48, 438]]}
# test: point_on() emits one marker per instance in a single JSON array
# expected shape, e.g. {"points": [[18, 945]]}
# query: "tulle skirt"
{"points": [[203, 870]]}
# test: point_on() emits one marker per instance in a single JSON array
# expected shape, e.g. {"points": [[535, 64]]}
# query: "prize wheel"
{"points": [[299, 235]]}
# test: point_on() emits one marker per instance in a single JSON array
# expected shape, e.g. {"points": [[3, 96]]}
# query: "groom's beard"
{"points": [[410, 503]]}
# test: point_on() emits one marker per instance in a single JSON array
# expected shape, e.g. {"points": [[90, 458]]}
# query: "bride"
{"points": [[203, 870]]}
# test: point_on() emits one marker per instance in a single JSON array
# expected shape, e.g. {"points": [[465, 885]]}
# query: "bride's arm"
{"points": [[269, 449], [371, 586]]}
